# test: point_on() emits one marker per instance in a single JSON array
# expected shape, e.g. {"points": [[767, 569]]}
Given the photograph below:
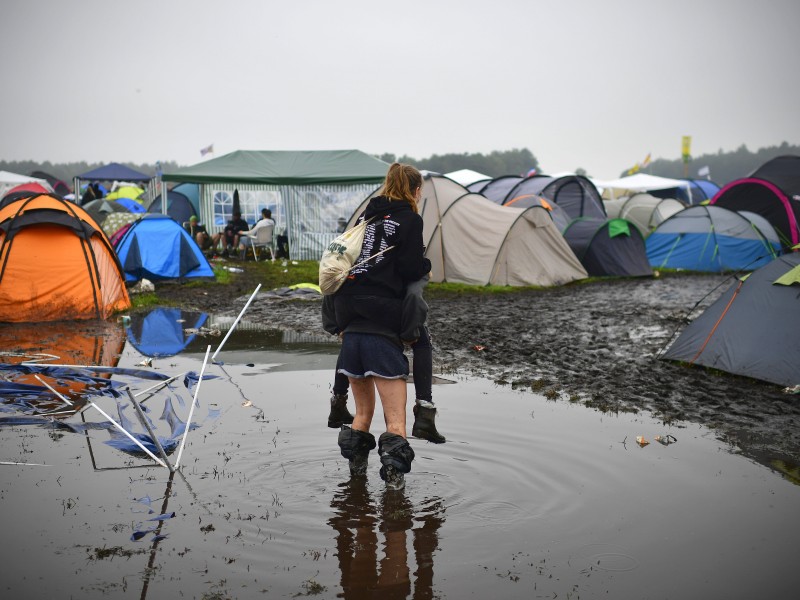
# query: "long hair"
{"points": [[401, 182]]}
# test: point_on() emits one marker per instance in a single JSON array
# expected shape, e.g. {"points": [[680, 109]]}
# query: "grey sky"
{"points": [[581, 83]]}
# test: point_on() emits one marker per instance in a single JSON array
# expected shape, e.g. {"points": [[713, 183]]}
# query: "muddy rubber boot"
{"points": [[355, 446], [425, 425], [339, 414], [396, 456]]}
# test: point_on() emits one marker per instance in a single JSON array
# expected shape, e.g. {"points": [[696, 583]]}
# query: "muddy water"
{"points": [[528, 498]]}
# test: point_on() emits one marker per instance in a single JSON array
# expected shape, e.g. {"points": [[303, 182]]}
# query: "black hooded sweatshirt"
{"points": [[394, 223]]}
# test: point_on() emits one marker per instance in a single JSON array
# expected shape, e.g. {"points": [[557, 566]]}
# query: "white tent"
{"points": [[10, 180], [640, 182], [466, 176], [470, 239]]}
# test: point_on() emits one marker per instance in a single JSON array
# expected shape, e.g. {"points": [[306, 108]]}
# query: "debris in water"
{"points": [[666, 440], [641, 441]]}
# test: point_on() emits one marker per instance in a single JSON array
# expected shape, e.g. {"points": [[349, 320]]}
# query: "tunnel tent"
{"points": [[56, 263], [574, 194], [496, 189], [608, 247], [558, 214], [752, 329], [470, 239], [709, 238], [773, 191]]}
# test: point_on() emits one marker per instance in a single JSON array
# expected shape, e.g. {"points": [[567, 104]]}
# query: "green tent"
{"points": [[311, 193]]}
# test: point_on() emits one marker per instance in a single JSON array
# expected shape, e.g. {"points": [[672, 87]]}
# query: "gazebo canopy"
{"points": [[114, 172]]}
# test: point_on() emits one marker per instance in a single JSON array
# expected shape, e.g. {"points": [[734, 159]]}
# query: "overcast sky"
{"points": [[582, 83]]}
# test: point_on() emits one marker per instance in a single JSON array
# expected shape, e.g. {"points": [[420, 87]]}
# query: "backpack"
{"points": [[339, 258]]}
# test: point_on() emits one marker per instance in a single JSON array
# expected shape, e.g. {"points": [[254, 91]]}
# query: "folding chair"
{"points": [[264, 239]]}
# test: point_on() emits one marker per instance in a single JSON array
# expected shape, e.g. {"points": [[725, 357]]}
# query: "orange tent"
{"points": [[56, 264]]}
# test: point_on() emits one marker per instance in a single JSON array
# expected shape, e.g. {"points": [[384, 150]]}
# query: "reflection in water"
{"points": [[164, 331], [362, 523]]}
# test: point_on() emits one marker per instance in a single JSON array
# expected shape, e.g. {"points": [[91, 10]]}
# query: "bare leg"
{"points": [[393, 399], [364, 395]]}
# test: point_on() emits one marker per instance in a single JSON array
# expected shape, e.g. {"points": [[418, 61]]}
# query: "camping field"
{"points": [[594, 343]]}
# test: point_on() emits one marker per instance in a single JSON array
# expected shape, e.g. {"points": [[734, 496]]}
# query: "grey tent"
{"points": [[608, 247], [753, 329], [470, 239]]}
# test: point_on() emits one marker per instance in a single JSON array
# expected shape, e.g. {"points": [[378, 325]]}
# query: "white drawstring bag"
{"points": [[340, 258]]}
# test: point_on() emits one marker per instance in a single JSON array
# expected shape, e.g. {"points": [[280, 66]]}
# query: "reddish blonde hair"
{"points": [[401, 183]]}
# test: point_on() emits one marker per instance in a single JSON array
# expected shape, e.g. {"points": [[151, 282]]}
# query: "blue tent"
{"points": [[157, 247], [161, 332], [709, 239]]}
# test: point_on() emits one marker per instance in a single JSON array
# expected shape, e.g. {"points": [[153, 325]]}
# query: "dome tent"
{"points": [[56, 263], [773, 191], [156, 247], [752, 329], [608, 247], [710, 239]]}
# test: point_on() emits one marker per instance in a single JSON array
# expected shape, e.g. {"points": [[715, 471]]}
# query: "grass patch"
{"points": [[145, 300]]}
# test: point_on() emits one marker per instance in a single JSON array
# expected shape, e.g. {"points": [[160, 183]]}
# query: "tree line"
{"points": [[723, 167]]}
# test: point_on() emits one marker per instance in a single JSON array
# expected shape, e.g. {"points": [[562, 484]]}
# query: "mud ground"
{"points": [[595, 343]]}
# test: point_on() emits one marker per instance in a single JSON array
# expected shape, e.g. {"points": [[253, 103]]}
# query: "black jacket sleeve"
{"points": [[411, 262]]}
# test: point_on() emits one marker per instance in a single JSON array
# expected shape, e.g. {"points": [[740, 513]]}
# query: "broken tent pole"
{"points": [[191, 409]]}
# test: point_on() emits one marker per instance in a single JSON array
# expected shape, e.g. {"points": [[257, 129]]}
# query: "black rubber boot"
{"points": [[396, 456], [355, 446], [425, 425], [339, 414]]}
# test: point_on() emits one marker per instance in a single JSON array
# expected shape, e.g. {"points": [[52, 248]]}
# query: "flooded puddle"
{"points": [[529, 497]]}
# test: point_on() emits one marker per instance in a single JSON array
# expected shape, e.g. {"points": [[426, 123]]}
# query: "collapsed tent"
{"points": [[608, 247], [94, 342], [645, 211], [709, 239], [56, 264], [773, 191], [752, 329], [156, 247], [472, 240]]}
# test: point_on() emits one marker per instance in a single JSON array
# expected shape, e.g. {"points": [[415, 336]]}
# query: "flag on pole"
{"points": [[207, 150], [686, 148], [704, 171]]}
